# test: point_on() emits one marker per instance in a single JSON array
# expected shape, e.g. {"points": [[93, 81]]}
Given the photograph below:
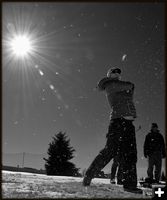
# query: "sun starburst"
{"points": [[21, 45]]}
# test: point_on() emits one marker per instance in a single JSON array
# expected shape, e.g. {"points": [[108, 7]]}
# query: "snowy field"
{"points": [[27, 185]]}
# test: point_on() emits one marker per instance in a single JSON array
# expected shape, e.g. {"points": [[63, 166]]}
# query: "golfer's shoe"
{"points": [[112, 181]]}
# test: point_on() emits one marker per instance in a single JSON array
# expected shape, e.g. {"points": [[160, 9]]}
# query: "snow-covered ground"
{"points": [[27, 185]]}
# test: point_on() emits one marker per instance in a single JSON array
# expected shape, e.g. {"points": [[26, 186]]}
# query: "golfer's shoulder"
{"points": [[104, 82]]}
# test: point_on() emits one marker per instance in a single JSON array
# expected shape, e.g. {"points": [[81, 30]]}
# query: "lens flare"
{"points": [[21, 45]]}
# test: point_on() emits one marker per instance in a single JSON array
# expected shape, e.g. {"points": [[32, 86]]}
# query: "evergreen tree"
{"points": [[59, 154]]}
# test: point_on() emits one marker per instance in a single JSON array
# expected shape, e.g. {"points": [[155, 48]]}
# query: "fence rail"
{"points": [[24, 159]]}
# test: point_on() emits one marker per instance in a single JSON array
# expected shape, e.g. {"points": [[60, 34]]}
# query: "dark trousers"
{"points": [[155, 160], [117, 167], [114, 167], [121, 141]]}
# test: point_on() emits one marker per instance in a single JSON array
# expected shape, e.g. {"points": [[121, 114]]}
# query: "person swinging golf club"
{"points": [[121, 139]]}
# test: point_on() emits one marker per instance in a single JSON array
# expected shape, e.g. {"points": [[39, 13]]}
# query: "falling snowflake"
{"points": [[36, 5], [82, 97], [137, 102], [41, 72], [66, 106], [139, 18], [105, 24], [51, 87], [124, 57], [53, 18], [58, 96], [43, 99], [156, 26]]}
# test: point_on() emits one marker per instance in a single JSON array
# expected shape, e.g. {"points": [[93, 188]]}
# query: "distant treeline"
{"points": [[24, 169], [41, 171]]}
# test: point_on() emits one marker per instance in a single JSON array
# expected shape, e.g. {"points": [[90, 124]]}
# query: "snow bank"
{"points": [[28, 185]]}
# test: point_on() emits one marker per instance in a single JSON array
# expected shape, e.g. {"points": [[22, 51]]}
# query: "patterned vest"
{"points": [[120, 97], [121, 104]]}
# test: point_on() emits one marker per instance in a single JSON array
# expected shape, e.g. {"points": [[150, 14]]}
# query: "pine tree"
{"points": [[59, 154]]}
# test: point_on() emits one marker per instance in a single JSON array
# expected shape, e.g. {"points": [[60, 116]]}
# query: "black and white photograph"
{"points": [[83, 100]]}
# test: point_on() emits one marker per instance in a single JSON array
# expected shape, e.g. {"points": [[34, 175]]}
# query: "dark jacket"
{"points": [[154, 142], [120, 97]]}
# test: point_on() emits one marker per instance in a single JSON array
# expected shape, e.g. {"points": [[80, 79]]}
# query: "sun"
{"points": [[21, 46], [25, 42]]}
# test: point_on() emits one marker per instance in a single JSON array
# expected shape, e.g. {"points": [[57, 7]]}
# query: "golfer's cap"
{"points": [[114, 70]]}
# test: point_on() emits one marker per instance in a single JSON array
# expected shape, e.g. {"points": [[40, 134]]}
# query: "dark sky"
{"points": [[54, 88]]}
